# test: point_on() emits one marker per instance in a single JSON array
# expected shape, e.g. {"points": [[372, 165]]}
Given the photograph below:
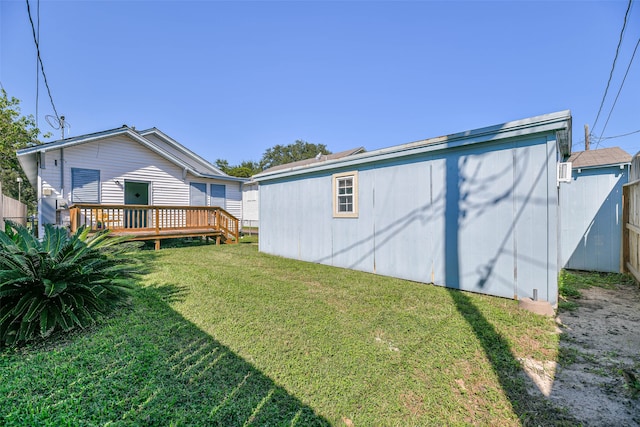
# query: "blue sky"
{"points": [[231, 79]]}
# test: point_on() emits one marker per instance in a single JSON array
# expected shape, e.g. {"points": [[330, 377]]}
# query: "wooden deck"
{"points": [[142, 222]]}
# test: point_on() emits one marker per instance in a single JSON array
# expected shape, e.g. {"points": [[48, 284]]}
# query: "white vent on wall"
{"points": [[564, 172]]}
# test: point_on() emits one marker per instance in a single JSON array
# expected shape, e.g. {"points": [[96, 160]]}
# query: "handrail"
{"points": [[153, 219]]}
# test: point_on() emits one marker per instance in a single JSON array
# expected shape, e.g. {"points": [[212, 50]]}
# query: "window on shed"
{"points": [[85, 185], [345, 195], [198, 194], [218, 195]]}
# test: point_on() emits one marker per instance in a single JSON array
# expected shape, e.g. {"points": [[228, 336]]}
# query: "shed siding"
{"points": [[478, 218], [591, 219]]}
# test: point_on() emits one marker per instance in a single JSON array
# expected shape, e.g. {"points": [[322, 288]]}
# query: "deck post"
{"points": [[157, 221], [73, 212], [157, 246]]}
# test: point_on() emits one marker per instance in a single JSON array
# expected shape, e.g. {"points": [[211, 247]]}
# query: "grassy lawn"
{"points": [[228, 336]]}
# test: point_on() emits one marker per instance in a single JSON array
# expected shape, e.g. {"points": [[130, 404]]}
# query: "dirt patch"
{"points": [[596, 378]]}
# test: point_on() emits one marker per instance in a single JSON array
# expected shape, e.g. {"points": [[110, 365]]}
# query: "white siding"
{"points": [[250, 214], [50, 192], [234, 199], [197, 165], [119, 159]]}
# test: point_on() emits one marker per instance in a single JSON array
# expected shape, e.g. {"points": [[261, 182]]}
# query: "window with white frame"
{"points": [[345, 194]]}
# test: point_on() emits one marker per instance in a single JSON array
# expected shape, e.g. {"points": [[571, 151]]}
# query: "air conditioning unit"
{"points": [[564, 172]]}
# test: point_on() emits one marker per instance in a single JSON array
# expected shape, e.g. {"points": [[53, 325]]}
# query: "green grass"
{"points": [[572, 282], [224, 335]]}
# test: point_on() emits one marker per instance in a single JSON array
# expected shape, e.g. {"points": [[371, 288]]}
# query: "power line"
{"points": [[619, 90], [619, 136], [615, 58], [35, 39], [37, 65]]}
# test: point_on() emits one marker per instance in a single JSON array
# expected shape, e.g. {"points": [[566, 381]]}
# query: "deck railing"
{"points": [[154, 220]]}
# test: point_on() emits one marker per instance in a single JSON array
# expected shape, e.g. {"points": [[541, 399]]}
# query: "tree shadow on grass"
{"points": [[147, 366], [531, 410]]}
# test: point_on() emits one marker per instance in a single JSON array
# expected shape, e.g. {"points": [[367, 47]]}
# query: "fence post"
{"points": [[624, 255]]}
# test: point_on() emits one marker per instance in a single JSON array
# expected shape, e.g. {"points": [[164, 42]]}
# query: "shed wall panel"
{"points": [[484, 180], [479, 218], [591, 215], [534, 249], [402, 208]]}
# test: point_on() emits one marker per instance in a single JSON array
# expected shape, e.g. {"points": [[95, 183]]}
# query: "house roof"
{"points": [[168, 148], [558, 121], [314, 160], [597, 158]]}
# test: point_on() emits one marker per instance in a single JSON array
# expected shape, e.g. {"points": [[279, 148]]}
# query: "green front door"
{"points": [[136, 193]]}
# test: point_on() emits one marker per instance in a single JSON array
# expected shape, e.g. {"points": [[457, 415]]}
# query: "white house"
{"points": [[125, 166]]}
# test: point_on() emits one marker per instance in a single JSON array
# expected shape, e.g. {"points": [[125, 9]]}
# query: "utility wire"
{"points": [[619, 90], [37, 64], [35, 39], [624, 26], [619, 136]]}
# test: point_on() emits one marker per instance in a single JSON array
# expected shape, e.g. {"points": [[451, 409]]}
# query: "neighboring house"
{"points": [[125, 166], [591, 207], [250, 189], [476, 211]]}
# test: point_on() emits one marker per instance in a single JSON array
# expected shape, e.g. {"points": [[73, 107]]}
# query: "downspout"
{"points": [[62, 172]]}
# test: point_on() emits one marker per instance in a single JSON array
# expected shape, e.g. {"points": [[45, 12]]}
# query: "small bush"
{"points": [[60, 282]]}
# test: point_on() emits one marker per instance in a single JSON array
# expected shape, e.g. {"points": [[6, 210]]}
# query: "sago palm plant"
{"points": [[59, 282]]}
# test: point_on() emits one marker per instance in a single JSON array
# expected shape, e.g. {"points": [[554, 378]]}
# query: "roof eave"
{"points": [[607, 165], [544, 123], [181, 148]]}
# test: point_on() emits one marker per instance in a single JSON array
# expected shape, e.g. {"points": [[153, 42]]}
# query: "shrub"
{"points": [[60, 282]]}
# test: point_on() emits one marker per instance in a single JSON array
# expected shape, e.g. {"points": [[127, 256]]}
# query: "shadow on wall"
{"points": [[599, 236], [477, 202], [468, 198]]}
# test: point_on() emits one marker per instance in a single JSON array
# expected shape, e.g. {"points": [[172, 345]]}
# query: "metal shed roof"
{"points": [[558, 121], [313, 160]]}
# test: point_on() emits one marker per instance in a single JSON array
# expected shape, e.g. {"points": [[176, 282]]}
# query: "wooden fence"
{"points": [[630, 259], [12, 209]]}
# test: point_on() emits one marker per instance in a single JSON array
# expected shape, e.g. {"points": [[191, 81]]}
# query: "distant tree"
{"points": [[223, 165], [274, 156], [16, 132], [246, 169], [299, 150]]}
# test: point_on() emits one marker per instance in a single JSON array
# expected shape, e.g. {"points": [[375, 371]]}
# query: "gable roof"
{"points": [[314, 160], [596, 158], [163, 145], [560, 122], [179, 150]]}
